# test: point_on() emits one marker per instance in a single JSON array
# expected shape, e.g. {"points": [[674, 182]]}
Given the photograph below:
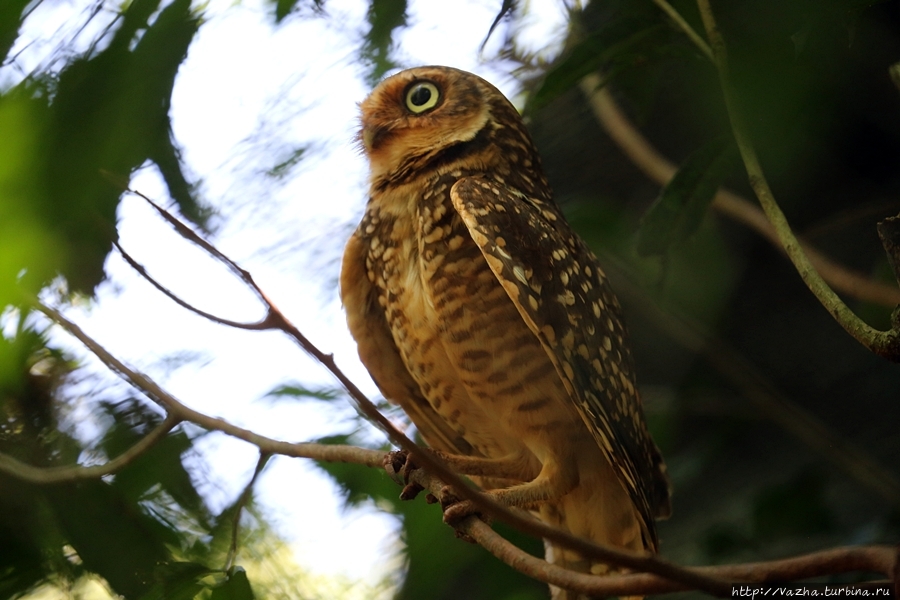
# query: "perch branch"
{"points": [[883, 343], [658, 168]]}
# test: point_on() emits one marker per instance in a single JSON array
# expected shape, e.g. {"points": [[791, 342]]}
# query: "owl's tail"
{"points": [[598, 509]]}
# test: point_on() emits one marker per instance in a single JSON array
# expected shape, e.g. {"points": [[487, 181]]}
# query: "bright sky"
{"points": [[249, 93]]}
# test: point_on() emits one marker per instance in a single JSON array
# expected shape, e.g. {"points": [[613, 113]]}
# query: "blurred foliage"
{"points": [[678, 212], [385, 16], [813, 81], [104, 112], [137, 530]]}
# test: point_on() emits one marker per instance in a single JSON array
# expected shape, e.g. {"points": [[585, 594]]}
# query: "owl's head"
{"points": [[427, 115]]}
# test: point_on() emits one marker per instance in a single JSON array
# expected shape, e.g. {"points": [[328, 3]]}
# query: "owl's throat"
{"points": [[437, 161]]}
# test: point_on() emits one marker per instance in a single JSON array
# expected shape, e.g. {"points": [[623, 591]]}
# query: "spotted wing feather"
{"points": [[561, 293]]}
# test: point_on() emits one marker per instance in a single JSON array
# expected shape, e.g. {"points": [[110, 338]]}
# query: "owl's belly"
{"points": [[478, 364]]}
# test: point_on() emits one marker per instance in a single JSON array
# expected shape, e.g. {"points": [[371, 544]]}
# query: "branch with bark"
{"points": [[651, 573]]}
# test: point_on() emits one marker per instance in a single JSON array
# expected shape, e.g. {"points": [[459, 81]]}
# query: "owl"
{"points": [[478, 310]]}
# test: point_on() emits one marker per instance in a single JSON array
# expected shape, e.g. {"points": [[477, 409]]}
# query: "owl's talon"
{"points": [[393, 462], [411, 490], [457, 511], [448, 498], [399, 465]]}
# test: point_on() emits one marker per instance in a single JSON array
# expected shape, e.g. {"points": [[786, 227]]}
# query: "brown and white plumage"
{"points": [[479, 311]]}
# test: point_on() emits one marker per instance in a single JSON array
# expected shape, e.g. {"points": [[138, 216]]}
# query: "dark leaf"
{"points": [[299, 391], [600, 50], [236, 587], [178, 581], [10, 21], [680, 209], [384, 17], [794, 508], [112, 537], [284, 7], [160, 466]]}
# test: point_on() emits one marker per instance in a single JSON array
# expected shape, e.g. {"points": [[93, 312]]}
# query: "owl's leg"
{"points": [[557, 478], [515, 467]]}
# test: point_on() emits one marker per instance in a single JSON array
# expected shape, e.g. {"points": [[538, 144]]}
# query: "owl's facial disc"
{"points": [[418, 113]]}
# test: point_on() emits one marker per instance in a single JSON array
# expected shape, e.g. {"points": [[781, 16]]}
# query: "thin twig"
{"points": [[48, 475], [658, 168], [883, 343], [878, 559], [239, 507], [259, 325], [685, 27]]}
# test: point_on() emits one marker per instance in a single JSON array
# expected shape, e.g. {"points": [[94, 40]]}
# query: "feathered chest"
{"points": [[419, 249]]}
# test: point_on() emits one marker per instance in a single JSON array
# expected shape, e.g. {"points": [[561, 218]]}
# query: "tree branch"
{"points": [[883, 343], [182, 303], [47, 475], [658, 168]]}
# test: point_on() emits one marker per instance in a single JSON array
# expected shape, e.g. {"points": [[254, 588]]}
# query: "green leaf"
{"points": [[160, 466], [680, 208], [178, 581], [236, 587], [602, 49], [113, 537], [10, 22], [384, 17], [285, 7], [298, 390]]}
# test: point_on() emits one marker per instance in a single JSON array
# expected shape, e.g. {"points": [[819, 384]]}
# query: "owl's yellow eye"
{"points": [[422, 96]]}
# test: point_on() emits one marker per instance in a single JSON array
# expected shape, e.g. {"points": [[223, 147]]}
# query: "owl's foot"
{"points": [[400, 465], [455, 510]]}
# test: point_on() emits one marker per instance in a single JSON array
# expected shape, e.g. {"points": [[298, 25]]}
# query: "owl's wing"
{"points": [[379, 353], [562, 295]]}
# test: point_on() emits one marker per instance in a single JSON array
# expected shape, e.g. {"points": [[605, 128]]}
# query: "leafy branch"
{"points": [[883, 343], [657, 167], [652, 574]]}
